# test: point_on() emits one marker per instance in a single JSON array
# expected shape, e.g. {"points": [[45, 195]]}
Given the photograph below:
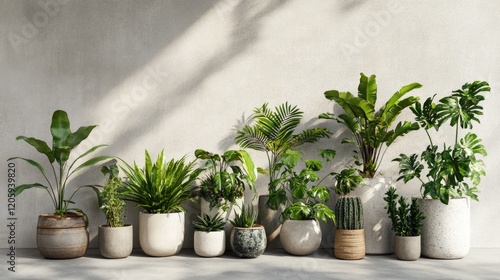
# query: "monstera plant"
{"points": [[372, 129]]}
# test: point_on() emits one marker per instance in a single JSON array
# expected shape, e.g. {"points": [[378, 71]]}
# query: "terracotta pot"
{"points": [[300, 237], [209, 244], [161, 235], [115, 242], [446, 228], [248, 242], [62, 236], [407, 248], [349, 244]]}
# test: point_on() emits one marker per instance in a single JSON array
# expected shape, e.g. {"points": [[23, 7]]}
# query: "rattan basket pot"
{"points": [[349, 244]]}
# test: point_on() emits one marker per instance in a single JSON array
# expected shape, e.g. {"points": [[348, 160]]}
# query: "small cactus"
{"points": [[349, 213]]}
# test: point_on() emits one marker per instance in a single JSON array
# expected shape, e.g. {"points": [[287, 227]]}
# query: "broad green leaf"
{"points": [[39, 145], [60, 129], [367, 89], [19, 189], [74, 139]]}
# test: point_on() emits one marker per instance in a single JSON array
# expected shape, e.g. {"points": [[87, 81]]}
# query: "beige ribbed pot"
{"points": [[349, 244]]}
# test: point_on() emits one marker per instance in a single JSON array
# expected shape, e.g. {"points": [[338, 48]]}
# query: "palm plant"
{"points": [[160, 187], [63, 143], [273, 133], [371, 128], [209, 223], [450, 168]]}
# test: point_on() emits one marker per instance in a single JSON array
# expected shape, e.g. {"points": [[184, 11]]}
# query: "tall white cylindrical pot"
{"points": [[209, 244], [300, 237], [379, 238], [161, 235], [446, 228]]}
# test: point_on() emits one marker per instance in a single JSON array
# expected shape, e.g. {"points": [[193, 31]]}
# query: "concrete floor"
{"points": [[274, 264]]}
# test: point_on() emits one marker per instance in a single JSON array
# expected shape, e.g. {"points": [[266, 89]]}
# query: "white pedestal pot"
{"points": [[379, 238], [446, 228], [161, 235]]}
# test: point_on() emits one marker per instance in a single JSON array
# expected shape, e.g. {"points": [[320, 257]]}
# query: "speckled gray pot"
{"points": [[248, 242], [115, 242], [300, 237], [407, 248], [446, 228]]}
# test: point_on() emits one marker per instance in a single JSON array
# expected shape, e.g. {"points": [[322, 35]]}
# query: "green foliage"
{"points": [[301, 192], [160, 187], [349, 213], [451, 169], [112, 203], [225, 177], [245, 219], [273, 132], [346, 181], [209, 223], [406, 219], [63, 143], [371, 128]]}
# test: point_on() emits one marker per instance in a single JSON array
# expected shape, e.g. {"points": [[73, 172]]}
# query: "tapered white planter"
{"points": [[161, 235], [407, 248], [446, 228], [301, 237], [115, 242], [379, 238], [209, 244]]}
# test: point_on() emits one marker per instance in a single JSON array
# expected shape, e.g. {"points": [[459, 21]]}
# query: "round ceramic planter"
{"points": [[407, 248], [349, 244], [62, 236], [270, 220], [115, 242], [300, 237], [446, 228], [161, 235], [379, 238], [248, 242], [209, 244]]}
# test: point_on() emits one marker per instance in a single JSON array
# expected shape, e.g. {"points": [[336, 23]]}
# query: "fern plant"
{"points": [[209, 223], [406, 219], [245, 219], [452, 168], [160, 187]]}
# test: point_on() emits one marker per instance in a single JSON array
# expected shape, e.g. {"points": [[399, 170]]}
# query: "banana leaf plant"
{"points": [[452, 168], [372, 129], [62, 169], [225, 177], [273, 132]]}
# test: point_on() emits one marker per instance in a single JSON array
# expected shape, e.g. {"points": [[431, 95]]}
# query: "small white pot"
{"points": [[209, 244], [161, 235], [301, 237], [115, 242], [407, 248], [446, 228]]}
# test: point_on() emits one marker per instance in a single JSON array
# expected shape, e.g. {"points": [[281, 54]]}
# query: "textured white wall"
{"points": [[181, 75]]}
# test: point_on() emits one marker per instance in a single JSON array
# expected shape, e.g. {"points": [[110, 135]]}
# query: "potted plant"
{"points": [[406, 223], [160, 188], [248, 239], [453, 170], [372, 133], [274, 132], [63, 234], [209, 235], [115, 237], [349, 243], [303, 197]]}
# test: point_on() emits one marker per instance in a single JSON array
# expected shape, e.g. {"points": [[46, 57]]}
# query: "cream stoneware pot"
{"points": [[161, 235], [300, 237]]}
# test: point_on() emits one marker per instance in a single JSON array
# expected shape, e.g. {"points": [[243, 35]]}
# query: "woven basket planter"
{"points": [[349, 244]]}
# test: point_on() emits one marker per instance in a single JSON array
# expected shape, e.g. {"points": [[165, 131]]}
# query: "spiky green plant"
{"points": [[160, 187], [209, 223], [245, 219], [349, 213], [63, 143], [406, 219], [112, 204], [371, 128]]}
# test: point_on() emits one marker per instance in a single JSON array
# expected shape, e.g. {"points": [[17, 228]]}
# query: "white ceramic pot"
{"points": [[226, 215], [301, 237], [161, 235], [379, 238], [407, 248], [270, 220], [115, 242], [209, 244], [446, 228]]}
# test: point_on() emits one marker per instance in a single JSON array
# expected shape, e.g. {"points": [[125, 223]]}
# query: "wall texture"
{"points": [[182, 75]]}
